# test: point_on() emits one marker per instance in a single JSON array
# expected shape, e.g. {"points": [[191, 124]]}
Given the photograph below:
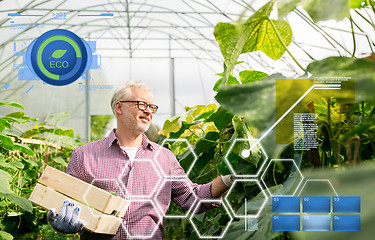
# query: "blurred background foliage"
{"points": [[247, 109], [23, 157]]}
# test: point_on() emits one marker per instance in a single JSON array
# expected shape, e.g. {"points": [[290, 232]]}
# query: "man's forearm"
{"points": [[218, 188]]}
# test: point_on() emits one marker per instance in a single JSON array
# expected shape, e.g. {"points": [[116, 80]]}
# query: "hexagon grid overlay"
{"points": [[100, 183], [197, 219], [319, 185], [158, 199], [244, 158], [189, 156], [143, 177], [151, 232], [253, 205], [291, 182]]}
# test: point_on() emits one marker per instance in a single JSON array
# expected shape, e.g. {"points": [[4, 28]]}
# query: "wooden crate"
{"points": [[101, 211]]}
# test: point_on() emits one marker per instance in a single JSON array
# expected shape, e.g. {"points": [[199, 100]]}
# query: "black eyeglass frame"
{"points": [[154, 108]]}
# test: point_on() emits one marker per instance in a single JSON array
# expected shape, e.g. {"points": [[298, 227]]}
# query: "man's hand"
{"points": [[227, 180], [68, 219]]}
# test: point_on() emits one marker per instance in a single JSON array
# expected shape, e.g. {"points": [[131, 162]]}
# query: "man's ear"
{"points": [[119, 108]]}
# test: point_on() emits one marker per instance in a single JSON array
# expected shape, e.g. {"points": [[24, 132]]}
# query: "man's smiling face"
{"points": [[131, 117]]}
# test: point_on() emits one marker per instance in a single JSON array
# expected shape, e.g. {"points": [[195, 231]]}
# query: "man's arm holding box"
{"points": [[55, 187], [67, 221]]}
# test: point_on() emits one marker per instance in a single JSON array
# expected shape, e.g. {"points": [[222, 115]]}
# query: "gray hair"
{"points": [[125, 93]]}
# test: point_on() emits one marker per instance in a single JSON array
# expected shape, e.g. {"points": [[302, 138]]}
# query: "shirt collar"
{"points": [[146, 143]]}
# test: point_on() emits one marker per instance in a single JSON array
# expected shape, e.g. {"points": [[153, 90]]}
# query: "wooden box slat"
{"points": [[77, 189], [95, 221], [96, 204]]}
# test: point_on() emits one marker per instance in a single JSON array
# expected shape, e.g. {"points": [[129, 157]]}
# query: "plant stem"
{"points": [[370, 43], [273, 173], [353, 35], [370, 3], [193, 132], [363, 110], [360, 14], [217, 142], [321, 31], [329, 112], [283, 43], [308, 54]]}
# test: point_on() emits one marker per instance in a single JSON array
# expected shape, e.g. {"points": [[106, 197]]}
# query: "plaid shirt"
{"points": [[104, 164]]}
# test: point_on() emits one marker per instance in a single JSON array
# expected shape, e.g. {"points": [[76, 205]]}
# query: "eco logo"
{"points": [[59, 57]]}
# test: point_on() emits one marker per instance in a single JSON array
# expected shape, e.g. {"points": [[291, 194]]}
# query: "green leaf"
{"points": [[248, 76], [184, 127], [4, 184], [203, 145], [263, 224], [59, 117], [232, 38], [221, 118], [6, 236], [69, 132], [7, 165], [4, 124], [12, 104], [231, 81], [23, 148], [358, 130], [357, 3], [204, 115], [361, 70], [257, 33], [18, 165], [264, 38], [284, 7], [30, 133], [171, 122], [57, 131], [347, 181], [31, 162], [214, 227], [361, 3], [6, 141], [58, 53], [256, 101], [20, 201], [223, 169], [20, 115], [60, 160], [318, 10], [14, 214]]}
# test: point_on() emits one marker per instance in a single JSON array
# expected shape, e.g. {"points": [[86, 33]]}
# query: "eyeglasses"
{"points": [[143, 105]]}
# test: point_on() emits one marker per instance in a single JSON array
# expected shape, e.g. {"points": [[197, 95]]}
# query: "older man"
{"points": [[126, 154]]}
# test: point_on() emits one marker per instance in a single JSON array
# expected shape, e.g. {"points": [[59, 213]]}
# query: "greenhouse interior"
{"points": [[254, 120]]}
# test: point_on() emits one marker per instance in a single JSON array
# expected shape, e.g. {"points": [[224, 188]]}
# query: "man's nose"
{"points": [[148, 110]]}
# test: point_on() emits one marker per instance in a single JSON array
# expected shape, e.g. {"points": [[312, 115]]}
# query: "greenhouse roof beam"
{"points": [[200, 14], [128, 26], [130, 11]]}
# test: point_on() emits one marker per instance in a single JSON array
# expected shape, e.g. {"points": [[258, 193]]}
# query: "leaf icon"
{"points": [[58, 53]]}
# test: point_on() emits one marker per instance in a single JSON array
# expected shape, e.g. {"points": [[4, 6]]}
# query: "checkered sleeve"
{"points": [[184, 193], [76, 165]]}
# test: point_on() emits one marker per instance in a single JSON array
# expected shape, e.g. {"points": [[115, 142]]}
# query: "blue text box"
{"points": [[286, 223], [286, 204], [346, 204], [316, 204], [346, 223], [316, 223]]}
